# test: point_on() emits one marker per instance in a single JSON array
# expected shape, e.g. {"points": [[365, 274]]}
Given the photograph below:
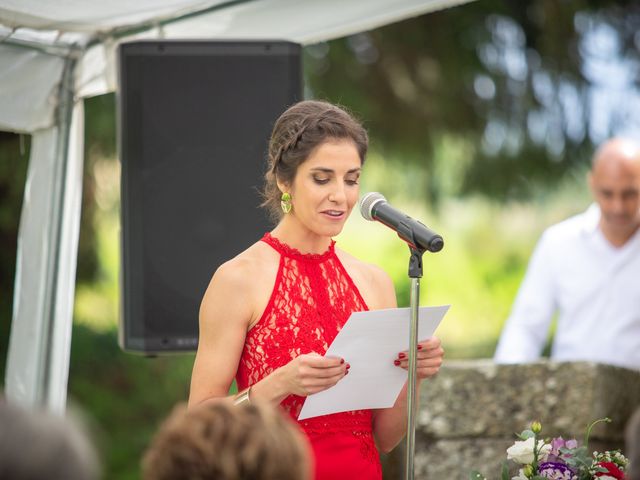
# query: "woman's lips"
{"points": [[334, 214]]}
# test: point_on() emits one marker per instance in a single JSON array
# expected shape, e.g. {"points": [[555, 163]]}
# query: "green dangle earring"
{"points": [[285, 202]]}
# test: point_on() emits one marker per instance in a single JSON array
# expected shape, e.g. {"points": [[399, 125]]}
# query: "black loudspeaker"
{"points": [[194, 123]]}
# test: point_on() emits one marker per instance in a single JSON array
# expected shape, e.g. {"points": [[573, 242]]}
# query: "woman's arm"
{"points": [[390, 424], [226, 312]]}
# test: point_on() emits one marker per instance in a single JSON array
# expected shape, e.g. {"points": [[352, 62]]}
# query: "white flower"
{"points": [[522, 452], [606, 477], [521, 476]]}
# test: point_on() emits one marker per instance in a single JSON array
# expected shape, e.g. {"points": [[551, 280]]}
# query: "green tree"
{"points": [[528, 86]]}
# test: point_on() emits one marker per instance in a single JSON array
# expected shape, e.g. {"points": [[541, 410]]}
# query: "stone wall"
{"points": [[470, 412]]}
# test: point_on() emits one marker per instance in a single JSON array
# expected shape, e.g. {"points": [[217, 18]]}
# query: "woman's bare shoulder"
{"points": [[239, 287], [248, 267]]}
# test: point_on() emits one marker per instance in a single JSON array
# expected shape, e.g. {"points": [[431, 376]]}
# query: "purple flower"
{"points": [[557, 444], [556, 471]]}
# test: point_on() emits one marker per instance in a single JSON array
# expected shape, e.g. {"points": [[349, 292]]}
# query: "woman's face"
{"points": [[325, 187]]}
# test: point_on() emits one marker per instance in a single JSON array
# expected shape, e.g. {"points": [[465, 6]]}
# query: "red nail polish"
{"points": [[396, 362], [401, 355], [341, 361], [419, 347], [346, 372], [348, 366]]}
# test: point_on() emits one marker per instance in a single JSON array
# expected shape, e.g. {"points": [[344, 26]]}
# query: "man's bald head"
{"points": [[615, 183], [617, 151]]}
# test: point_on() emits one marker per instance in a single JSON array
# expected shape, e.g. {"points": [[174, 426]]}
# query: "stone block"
{"points": [[482, 399], [470, 412]]}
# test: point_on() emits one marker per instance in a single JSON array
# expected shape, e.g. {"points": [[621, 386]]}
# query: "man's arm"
{"points": [[525, 331]]}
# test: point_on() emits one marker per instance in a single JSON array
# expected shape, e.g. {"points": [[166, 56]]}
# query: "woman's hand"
{"points": [[429, 358], [312, 373]]}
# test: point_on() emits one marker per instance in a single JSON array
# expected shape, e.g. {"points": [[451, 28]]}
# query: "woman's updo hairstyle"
{"points": [[296, 134]]}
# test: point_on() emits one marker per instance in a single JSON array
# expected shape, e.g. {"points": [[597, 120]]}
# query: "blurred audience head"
{"points": [[37, 445], [219, 441], [632, 450]]}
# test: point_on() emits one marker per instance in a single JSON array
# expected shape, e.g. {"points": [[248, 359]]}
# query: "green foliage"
{"points": [[579, 458], [14, 153], [526, 434], [100, 118], [590, 427], [100, 143], [511, 80], [504, 473], [126, 396]]}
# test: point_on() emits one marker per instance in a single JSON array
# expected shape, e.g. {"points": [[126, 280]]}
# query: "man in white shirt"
{"points": [[587, 269]]}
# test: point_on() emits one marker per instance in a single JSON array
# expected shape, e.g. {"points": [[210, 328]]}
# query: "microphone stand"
{"points": [[415, 273], [373, 206]]}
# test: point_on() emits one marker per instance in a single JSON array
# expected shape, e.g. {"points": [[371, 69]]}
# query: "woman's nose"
{"points": [[337, 195]]}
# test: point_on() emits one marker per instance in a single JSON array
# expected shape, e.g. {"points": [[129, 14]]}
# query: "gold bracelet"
{"points": [[242, 397]]}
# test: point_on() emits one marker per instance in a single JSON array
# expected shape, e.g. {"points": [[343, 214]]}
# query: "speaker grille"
{"points": [[194, 124]]}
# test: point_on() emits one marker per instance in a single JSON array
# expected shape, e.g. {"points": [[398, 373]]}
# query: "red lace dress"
{"points": [[312, 298]]}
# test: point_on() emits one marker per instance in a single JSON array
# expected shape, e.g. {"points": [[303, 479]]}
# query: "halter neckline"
{"points": [[291, 252]]}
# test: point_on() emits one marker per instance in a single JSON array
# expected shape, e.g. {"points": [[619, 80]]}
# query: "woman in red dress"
{"points": [[269, 314]]}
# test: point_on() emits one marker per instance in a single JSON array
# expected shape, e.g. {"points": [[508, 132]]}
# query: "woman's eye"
{"points": [[352, 181], [320, 181]]}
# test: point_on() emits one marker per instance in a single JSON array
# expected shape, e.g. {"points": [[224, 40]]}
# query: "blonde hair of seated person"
{"points": [[220, 441]]}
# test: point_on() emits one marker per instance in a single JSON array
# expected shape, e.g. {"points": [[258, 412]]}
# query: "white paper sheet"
{"points": [[370, 342]]}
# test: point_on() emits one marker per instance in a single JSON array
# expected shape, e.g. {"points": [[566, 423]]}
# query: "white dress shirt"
{"points": [[592, 285]]}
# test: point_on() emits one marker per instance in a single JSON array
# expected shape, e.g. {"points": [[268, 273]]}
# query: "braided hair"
{"points": [[296, 134]]}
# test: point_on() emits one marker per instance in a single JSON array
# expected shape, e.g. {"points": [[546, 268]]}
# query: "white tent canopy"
{"points": [[53, 54]]}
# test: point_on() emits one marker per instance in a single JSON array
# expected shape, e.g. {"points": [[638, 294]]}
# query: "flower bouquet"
{"points": [[560, 459]]}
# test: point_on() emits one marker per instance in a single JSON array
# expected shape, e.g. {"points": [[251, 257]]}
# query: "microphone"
{"points": [[374, 207]]}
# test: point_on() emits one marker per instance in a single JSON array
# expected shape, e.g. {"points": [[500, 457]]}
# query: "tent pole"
{"points": [[40, 342]]}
